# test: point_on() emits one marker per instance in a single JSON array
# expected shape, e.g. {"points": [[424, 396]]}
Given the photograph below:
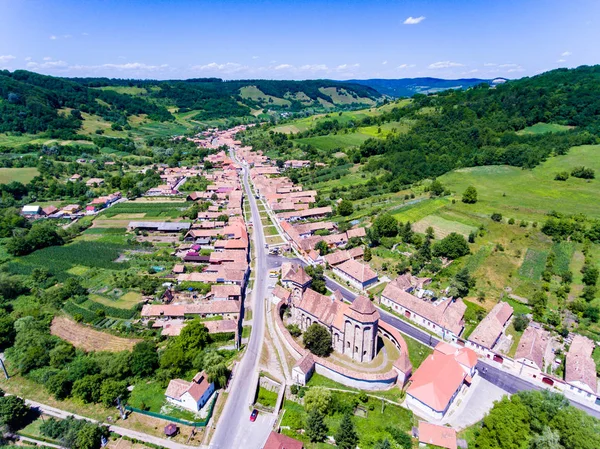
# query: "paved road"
{"points": [[234, 429]]}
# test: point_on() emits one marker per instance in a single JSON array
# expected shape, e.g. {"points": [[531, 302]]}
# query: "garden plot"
{"points": [[442, 227], [83, 337]]}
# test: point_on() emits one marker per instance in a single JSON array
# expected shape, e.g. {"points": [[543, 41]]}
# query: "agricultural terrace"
{"points": [[83, 337]]}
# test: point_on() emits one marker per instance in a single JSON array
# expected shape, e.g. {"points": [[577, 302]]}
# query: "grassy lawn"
{"points": [[270, 230], [417, 352], [266, 398], [516, 337], [246, 331], [22, 175], [126, 301], [370, 429]]}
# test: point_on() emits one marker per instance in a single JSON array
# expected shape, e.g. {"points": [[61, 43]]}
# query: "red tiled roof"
{"points": [[281, 441], [487, 332], [435, 435]]}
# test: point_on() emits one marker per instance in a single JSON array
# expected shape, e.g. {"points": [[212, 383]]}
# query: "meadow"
{"points": [[22, 175], [543, 128], [531, 194]]}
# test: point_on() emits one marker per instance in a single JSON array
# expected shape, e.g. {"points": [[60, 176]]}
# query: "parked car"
{"points": [[253, 415]]}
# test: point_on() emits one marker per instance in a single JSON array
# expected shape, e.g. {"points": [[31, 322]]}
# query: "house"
{"points": [[75, 178], [281, 441], [31, 210], [94, 182], [280, 294], [49, 210], [532, 350], [303, 369], [190, 395], [580, 369], [439, 379], [71, 209], [487, 333], [178, 268], [294, 277], [359, 275], [226, 292], [438, 436], [158, 226], [356, 233], [444, 317]]}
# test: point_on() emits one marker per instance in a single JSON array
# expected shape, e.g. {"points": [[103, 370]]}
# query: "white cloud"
{"points": [[85, 34], [284, 67], [47, 64], [47, 58], [6, 58], [228, 67], [445, 65], [490, 64], [344, 67], [405, 66], [28, 58], [53, 38], [384, 63], [67, 36], [566, 53], [135, 66], [414, 20], [561, 60], [505, 66], [314, 68], [254, 57]]}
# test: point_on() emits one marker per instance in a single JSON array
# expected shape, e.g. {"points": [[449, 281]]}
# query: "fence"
{"points": [[202, 423]]}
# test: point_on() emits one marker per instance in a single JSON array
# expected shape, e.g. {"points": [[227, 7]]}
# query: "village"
{"points": [[212, 283]]}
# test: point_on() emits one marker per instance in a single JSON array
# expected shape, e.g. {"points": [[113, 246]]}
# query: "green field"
{"points": [[533, 264], [543, 128], [530, 194], [419, 209], [335, 141], [22, 175], [442, 227]]}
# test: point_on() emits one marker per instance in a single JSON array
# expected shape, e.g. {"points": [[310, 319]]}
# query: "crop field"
{"points": [[22, 175], [335, 141], [442, 227], [543, 128], [83, 337], [59, 259], [419, 209], [126, 301], [533, 264], [564, 253], [530, 194], [149, 209]]}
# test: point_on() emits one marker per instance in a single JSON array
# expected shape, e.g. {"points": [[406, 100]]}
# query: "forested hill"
{"points": [[407, 87], [483, 126], [34, 103]]}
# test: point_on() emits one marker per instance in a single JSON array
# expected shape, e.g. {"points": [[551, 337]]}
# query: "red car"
{"points": [[253, 415]]}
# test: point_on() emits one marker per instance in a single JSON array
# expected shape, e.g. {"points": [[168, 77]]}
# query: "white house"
{"points": [[190, 395], [30, 210]]}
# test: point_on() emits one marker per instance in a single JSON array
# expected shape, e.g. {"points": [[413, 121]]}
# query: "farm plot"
{"points": [[533, 264], [419, 209], [442, 227], [23, 175], [83, 337], [563, 252], [149, 209]]}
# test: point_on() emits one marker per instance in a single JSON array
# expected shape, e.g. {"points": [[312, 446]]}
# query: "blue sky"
{"points": [[298, 39]]}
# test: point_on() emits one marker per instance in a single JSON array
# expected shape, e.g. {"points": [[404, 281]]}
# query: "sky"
{"points": [[298, 39]]}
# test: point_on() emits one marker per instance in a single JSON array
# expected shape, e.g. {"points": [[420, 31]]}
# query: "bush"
{"points": [[520, 322], [496, 217], [470, 195], [583, 173], [294, 330], [561, 176]]}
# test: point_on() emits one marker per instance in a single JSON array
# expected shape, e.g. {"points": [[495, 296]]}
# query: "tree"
{"points": [[406, 232], [316, 429], [144, 359], [383, 444], [318, 398], [436, 188], [318, 278], [346, 436], [470, 195], [13, 412], [7, 330], [367, 256], [590, 275], [59, 385], [89, 437], [111, 390], [496, 217], [88, 388], [425, 250], [548, 439], [452, 246], [322, 247], [506, 426], [345, 208], [430, 233], [520, 322], [577, 429], [463, 282], [317, 340], [386, 225]]}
